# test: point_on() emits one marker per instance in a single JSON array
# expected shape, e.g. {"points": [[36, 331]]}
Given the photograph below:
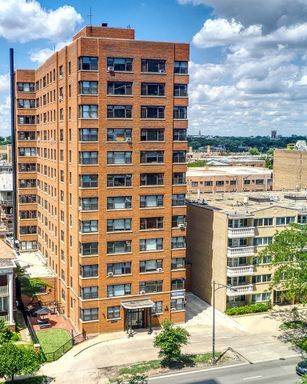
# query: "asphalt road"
{"points": [[272, 372]]}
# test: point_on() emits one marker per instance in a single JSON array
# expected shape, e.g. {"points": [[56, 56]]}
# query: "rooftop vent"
{"points": [[261, 199], [294, 196], [104, 24]]}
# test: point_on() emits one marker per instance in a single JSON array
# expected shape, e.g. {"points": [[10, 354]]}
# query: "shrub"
{"points": [[245, 309]]}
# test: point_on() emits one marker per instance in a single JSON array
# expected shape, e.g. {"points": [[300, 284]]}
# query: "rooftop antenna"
{"points": [[90, 15]]}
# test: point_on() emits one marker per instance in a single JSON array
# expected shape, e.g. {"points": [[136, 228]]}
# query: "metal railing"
{"points": [[55, 355]]}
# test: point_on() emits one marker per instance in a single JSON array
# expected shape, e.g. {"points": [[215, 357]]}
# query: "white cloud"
{"points": [[5, 117], [22, 21], [41, 55], [4, 82]]}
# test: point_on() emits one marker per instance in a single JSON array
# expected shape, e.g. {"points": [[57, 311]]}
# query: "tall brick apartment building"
{"points": [[101, 152]]}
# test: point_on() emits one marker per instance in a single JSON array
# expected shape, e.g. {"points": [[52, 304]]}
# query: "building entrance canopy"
{"points": [[137, 304]]}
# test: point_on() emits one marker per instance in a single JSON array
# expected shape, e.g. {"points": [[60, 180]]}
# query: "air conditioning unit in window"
{"points": [[161, 70], [110, 68], [182, 226], [142, 292], [159, 270], [128, 140], [60, 98], [60, 77], [173, 309], [110, 274]]}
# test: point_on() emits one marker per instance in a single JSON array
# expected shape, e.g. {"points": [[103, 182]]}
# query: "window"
{"points": [[177, 284], [118, 246], [89, 270], [155, 66], [114, 225], [61, 72], [179, 157], [180, 112], [120, 64], [151, 201], [149, 179], [27, 167], [25, 119], [119, 268], [113, 312], [88, 87], [87, 249], [152, 134], [119, 157], [219, 183], [152, 89], [181, 67], [180, 90], [179, 178], [119, 88], [88, 111], [178, 263], [151, 223], [88, 134], [118, 290], [177, 304], [26, 103], [178, 199], [151, 244], [119, 202], [89, 314], [119, 134], [89, 204], [178, 220], [27, 199], [151, 286], [247, 182], [285, 220], [119, 112], [26, 135], [302, 219], [27, 183], [89, 181], [88, 157], [233, 182], [259, 181], [237, 243], [237, 223], [89, 226], [28, 230], [260, 297], [261, 279], [148, 157], [157, 307], [119, 180], [262, 260], [87, 63], [25, 87], [150, 265], [262, 240], [89, 293], [263, 222], [152, 112], [178, 242], [179, 134], [28, 151]]}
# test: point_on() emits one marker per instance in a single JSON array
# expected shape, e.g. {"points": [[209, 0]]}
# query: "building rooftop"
{"points": [[227, 171], [245, 203], [7, 255], [6, 182], [34, 264]]}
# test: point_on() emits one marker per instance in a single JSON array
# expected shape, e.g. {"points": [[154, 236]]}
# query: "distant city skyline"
{"points": [[248, 62]]}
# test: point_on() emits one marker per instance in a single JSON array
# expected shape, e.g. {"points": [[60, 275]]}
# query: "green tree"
{"points": [[29, 286], [16, 360], [289, 259], [254, 151], [170, 341], [5, 333], [197, 163]]}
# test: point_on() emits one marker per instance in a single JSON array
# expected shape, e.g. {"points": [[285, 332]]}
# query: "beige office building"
{"points": [[224, 237]]}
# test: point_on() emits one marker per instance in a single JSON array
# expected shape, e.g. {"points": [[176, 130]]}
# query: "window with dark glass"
{"points": [[88, 111], [25, 87], [28, 230], [177, 304], [89, 270], [157, 307], [89, 314], [27, 167], [120, 64], [152, 89], [114, 225], [179, 156], [151, 223], [26, 135], [121, 246], [152, 112], [88, 157], [89, 203], [119, 112], [152, 65], [151, 286], [87, 249], [88, 293], [118, 290], [178, 263], [121, 180], [88, 226], [119, 202], [178, 199], [25, 119], [147, 179], [27, 183], [151, 201], [178, 284], [152, 134], [26, 103], [119, 157], [180, 112], [27, 151], [178, 220], [119, 88], [180, 90], [89, 181], [88, 87], [179, 134], [148, 157], [113, 312], [88, 63], [88, 134], [119, 268], [119, 134], [181, 67], [151, 244], [179, 178], [178, 242], [150, 265]]}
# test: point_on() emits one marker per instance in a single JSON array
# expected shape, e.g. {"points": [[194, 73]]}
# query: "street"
{"points": [[271, 372]]}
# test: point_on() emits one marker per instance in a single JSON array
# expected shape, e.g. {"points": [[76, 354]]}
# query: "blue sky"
{"points": [[248, 62]]}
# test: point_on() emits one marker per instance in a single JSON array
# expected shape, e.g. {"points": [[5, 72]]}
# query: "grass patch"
{"points": [[140, 368], [30, 380], [52, 340]]}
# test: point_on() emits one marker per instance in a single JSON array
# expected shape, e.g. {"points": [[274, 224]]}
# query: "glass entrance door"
{"points": [[137, 318]]}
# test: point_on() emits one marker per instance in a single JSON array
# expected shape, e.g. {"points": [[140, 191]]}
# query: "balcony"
{"points": [[4, 290], [245, 270], [239, 290], [240, 251], [241, 232]]}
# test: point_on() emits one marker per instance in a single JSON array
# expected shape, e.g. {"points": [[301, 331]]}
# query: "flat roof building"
{"points": [[224, 236], [101, 153]]}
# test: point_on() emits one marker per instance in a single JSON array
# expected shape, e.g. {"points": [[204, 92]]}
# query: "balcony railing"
{"points": [[239, 290], [245, 270], [4, 290], [4, 317], [241, 232], [240, 251]]}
